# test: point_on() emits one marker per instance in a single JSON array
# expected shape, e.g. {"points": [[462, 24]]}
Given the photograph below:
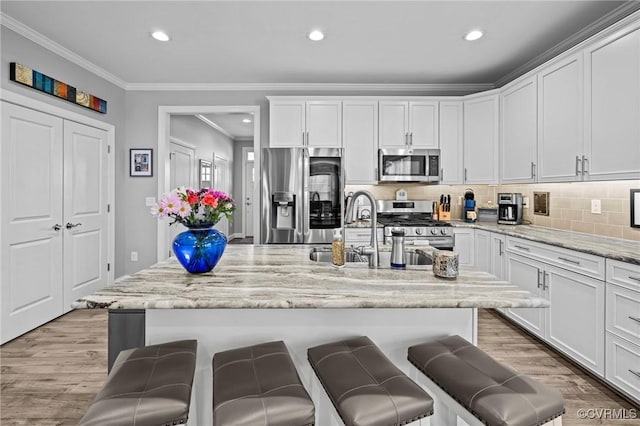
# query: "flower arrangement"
{"points": [[195, 208]]}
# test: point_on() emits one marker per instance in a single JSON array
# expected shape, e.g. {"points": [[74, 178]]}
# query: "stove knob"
{"points": [[434, 232], [443, 231], [418, 231]]}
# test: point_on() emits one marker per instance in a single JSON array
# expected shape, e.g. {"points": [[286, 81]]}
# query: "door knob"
{"points": [[70, 225], [56, 227], [248, 203]]}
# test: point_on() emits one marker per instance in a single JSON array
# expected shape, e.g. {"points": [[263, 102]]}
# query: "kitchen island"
{"points": [[264, 293]]}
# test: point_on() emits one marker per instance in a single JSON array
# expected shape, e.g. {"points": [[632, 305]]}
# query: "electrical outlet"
{"points": [[460, 200], [150, 201], [525, 202], [596, 207], [134, 256]]}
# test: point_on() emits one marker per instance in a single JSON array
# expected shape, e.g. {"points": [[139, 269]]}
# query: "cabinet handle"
{"points": [[465, 174], [441, 173], [307, 138], [411, 138], [585, 161], [500, 248], [522, 248], [56, 227], [545, 285], [303, 139], [636, 319], [539, 280], [575, 262], [533, 172], [577, 165], [635, 373], [635, 278]]}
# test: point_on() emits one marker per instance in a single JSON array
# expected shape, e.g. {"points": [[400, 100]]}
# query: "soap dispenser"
{"points": [[337, 249]]}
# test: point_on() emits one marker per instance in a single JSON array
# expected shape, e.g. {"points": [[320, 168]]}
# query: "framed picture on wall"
{"points": [[140, 162], [635, 208]]}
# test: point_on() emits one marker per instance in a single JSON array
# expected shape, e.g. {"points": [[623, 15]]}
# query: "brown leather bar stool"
{"points": [[147, 386], [493, 393], [365, 387], [259, 386]]}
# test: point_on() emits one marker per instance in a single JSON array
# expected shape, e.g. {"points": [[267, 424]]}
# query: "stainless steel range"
{"points": [[414, 217]]}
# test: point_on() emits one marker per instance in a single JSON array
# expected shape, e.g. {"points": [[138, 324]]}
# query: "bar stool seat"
{"points": [[494, 393], [365, 387], [259, 386], [148, 386]]}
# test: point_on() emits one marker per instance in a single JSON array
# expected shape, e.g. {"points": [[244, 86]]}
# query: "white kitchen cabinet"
{"points": [[297, 123], [451, 142], [612, 107], [464, 245], [498, 256], [482, 243], [481, 136], [574, 322], [408, 124], [518, 144], [560, 120], [623, 365], [360, 140], [361, 236]]}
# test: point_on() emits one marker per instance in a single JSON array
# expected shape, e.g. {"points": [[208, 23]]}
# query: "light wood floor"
{"points": [[50, 375]]}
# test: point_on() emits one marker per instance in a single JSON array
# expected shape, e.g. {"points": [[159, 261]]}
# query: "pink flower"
{"points": [[158, 211], [184, 209], [171, 203]]}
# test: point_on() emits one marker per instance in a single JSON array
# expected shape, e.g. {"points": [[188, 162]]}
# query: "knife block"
{"points": [[442, 215]]}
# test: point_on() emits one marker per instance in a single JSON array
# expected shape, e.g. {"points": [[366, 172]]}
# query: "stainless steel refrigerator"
{"points": [[302, 195]]}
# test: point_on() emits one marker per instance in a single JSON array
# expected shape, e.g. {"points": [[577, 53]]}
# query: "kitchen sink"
{"points": [[323, 255]]}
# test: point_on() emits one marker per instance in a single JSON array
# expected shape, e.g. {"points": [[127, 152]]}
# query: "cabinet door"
{"points": [[526, 274], [324, 124], [560, 124], [394, 124], [481, 140], [360, 136], [464, 245], [483, 250], [519, 132], [423, 124], [451, 161], [32, 189], [612, 134], [575, 323], [287, 124], [498, 256]]}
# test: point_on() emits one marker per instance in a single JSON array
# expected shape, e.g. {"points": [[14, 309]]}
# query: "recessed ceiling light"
{"points": [[246, 120], [316, 35], [473, 35], [160, 36]]}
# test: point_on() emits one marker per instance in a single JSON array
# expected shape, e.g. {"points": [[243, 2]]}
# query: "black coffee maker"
{"points": [[510, 208]]}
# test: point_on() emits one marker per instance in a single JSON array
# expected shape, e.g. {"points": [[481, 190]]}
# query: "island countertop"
{"points": [[282, 276]]}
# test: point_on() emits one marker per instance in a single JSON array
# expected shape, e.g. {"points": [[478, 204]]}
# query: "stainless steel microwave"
{"points": [[409, 165]]}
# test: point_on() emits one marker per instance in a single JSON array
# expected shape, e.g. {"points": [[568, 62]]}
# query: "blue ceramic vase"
{"points": [[199, 248]]}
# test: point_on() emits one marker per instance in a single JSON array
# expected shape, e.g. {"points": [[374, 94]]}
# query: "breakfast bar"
{"points": [[265, 293]]}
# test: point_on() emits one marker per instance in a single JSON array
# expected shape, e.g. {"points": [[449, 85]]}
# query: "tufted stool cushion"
{"points": [[259, 386], [148, 386], [365, 387], [494, 393]]}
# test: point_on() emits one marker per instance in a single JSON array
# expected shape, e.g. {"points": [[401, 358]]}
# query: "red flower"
{"points": [[210, 200], [192, 198]]}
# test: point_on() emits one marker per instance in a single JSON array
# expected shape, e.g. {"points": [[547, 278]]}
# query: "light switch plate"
{"points": [[596, 207], [150, 201]]}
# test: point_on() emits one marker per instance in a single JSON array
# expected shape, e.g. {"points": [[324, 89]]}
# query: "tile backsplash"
{"points": [[569, 203]]}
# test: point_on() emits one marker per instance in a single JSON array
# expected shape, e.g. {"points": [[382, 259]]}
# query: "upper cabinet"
{"points": [[299, 123], [451, 123], [519, 132], [406, 125], [612, 92], [360, 138], [481, 134], [560, 121]]}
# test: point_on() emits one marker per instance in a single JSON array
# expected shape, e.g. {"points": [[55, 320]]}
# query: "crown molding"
{"points": [[213, 125], [612, 20], [31, 34], [316, 87]]}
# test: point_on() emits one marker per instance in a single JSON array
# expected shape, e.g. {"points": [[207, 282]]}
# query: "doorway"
{"points": [[163, 166], [248, 180]]}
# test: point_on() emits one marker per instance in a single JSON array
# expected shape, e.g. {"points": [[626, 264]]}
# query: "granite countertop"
{"points": [[278, 276], [611, 248]]}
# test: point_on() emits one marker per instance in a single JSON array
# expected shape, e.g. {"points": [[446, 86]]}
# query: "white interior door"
{"points": [[221, 183], [181, 174], [30, 246], [85, 211], [247, 204]]}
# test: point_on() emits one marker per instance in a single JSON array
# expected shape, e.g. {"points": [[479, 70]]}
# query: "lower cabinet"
{"points": [[464, 245], [527, 274], [361, 236], [623, 365]]}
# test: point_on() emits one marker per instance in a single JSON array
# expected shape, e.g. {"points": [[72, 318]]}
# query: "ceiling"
{"points": [[231, 124], [264, 42]]}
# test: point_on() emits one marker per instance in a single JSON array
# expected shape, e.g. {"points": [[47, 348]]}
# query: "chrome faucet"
{"points": [[372, 249]]}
